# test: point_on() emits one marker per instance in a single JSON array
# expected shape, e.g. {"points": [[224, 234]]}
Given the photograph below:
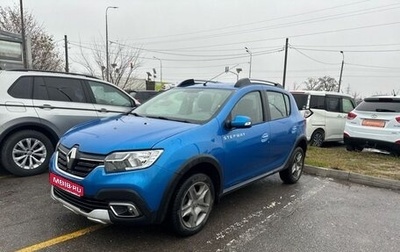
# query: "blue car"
{"points": [[173, 157]]}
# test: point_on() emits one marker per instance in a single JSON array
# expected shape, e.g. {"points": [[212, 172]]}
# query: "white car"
{"points": [[374, 123], [325, 113]]}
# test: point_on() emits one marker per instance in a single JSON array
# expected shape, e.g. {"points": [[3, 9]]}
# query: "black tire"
{"points": [[395, 153], [26, 153], [192, 205], [295, 167], [350, 147], [317, 138]]}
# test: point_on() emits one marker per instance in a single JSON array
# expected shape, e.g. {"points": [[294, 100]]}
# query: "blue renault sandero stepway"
{"points": [[173, 157]]}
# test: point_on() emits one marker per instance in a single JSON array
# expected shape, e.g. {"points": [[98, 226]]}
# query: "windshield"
{"points": [[185, 104]]}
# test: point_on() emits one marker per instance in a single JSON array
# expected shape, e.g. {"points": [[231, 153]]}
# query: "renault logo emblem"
{"points": [[71, 157]]}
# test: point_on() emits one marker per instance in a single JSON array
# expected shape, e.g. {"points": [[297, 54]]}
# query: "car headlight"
{"points": [[126, 161]]}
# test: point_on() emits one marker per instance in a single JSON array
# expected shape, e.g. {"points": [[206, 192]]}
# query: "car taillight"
{"points": [[398, 119], [351, 115], [308, 113]]}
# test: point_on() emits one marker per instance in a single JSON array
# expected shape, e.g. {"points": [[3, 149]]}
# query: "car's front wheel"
{"points": [[26, 153], [295, 168], [192, 204]]}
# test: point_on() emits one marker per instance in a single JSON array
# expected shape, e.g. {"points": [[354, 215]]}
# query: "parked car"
{"points": [[174, 156], [374, 123], [37, 107], [325, 113], [143, 95]]}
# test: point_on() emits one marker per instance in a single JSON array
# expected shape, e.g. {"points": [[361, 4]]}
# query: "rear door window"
{"points": [[278, 105], [317, 102], [59, 89], [333, 104]]}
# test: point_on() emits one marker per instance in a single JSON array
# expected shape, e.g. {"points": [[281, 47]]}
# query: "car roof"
{"points": [[316, 92], [32, 72], [383, 98], [192, 83]]}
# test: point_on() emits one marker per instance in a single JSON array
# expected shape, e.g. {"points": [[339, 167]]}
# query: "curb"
{"points": [[353, 177]]}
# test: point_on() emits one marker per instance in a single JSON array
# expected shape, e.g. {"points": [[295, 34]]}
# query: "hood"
{"points": [[122, 133]]}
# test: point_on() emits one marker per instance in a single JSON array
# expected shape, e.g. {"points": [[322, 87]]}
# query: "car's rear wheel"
{"points": [[192, 204], [295, 167], [26, 153], [395, 153], [350, 147], [317, 138]]}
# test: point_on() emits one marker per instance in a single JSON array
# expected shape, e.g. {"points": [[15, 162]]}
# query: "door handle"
{"points": [[46, 106], [264, 137]]}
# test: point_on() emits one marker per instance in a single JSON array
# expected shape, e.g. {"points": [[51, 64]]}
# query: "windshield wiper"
{"points": [[130, 112], [170, 119]]}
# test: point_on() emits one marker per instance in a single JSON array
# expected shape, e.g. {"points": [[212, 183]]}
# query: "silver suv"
{"points": [[37, 107]]}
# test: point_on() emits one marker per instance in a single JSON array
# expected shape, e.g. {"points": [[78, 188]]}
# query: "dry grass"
{"points": [[366, 162]]}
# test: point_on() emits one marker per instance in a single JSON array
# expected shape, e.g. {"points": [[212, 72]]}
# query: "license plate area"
{"points": [[373, 123], [66, 185]]}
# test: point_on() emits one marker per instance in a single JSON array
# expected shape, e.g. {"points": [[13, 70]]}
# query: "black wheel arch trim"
{"points": [[184, 170], [30, 125]]}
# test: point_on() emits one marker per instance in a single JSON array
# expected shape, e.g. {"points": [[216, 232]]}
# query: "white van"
{"points": [[325, 113]]}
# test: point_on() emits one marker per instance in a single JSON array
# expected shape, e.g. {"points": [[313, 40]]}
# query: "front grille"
{"points": [[85, 204], [82, 165]]}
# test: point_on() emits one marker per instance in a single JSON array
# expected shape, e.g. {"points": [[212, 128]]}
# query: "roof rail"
{"points": [[246, 81], [48, 71], [191, 82]]}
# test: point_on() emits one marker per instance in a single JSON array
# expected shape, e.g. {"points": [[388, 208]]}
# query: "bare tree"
{"points": [[124, 60], [357, 96], [296, 86], [44, 53], [325, 83], [311, 84]]}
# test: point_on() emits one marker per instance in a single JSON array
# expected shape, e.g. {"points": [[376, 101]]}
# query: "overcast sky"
{"points": [[198, 38]]}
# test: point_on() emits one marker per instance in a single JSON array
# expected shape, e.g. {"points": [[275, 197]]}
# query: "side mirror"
{"points": [[240, 122]]}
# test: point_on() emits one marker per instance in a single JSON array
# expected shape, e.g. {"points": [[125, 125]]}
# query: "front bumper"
{"points": [[108, 207]]}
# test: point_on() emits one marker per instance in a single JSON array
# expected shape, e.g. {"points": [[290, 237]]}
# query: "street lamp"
{"points": [[341, 71], [107, 56], [160, 67], [251, 57]]}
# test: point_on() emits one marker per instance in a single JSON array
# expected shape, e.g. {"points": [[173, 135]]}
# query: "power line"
{"points": [[370, 66], [294, 23], [309, 57], [252, 23], [347, 51]]}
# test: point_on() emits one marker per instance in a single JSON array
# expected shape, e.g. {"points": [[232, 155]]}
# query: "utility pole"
{"points": [[285, 64], [251, 59], [107, 56], [66, 53], [23, 35], [341, 71]]}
